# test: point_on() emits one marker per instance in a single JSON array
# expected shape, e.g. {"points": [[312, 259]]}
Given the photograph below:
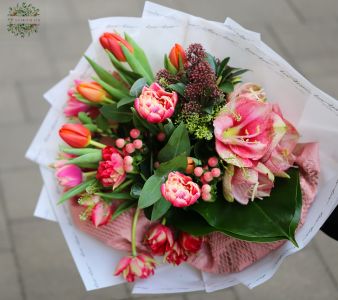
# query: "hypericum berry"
{"points": [[208, 176], [206, 196], [130, 148], [216, 172], [161, 136], [206, 188], [135, 133], [120, 143], [138, 144], [213, 161], [198, 171]]}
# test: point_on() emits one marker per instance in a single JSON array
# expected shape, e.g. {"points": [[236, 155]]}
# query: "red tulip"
{"points": [[92, 91], [159, 238], [75, 135], [189, 242], [176, 54], [111, 42]]}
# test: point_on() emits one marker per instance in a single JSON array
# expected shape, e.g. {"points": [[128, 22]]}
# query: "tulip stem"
{"points": [[124, 185], [97, 144], [107, 100], [164, 220], [89, 174], [133, 232], [160, 125]]}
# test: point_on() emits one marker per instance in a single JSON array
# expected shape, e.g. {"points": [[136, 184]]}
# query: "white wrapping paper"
{"points": [[314, 113]]}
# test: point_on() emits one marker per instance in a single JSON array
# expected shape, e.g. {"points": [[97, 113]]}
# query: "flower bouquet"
{"points": [[185, 155]]}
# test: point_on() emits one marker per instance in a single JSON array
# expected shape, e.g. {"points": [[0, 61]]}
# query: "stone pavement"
{"points": [[34, 260]]}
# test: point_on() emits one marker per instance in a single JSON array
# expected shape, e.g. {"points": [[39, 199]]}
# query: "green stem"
{"points": [[124, 185], [89, 174], [97, 144], [133, 232], [160, 125], [107, 100], [164, 220]]}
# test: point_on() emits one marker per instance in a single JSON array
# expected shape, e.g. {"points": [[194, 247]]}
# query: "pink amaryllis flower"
{"points": [[248, 90], [132, 267], [155, 104], [69, 176], [280, 158], [159, 238], [245, 130], [111, 172], [180, 190], [244, 184]]}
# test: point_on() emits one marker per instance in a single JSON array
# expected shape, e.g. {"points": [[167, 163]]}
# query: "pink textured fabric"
{"points": [[219, 253]]}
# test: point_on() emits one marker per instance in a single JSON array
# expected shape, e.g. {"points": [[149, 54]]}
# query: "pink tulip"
{"points": [[101, 213], [180, 190], [155, 104], [244, 131], [69, 176], [244, 184], [111, 172], [74, 106], [132, 267], [159, 238]]}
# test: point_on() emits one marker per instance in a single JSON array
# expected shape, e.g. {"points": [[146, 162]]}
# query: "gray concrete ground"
{"points": [[34, 260]]}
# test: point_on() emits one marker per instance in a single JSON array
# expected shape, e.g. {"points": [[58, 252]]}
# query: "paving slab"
{"points": [[21, 189], [9, 284], [11, 110], [302, 276]]}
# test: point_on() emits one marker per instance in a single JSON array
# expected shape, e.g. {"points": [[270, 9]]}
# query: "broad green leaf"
{"points": [[178, 87], [112, 91], [227, 87], [88, 158], [273, 217], [79, 151], [114, 196], [135, 64], [159, 209], [211, 61], [222, 65], [111, 112], [77, 190], [135, 190], [124, 206], [151, 191], [105, 75], [178, 163], [178, 143], [125, 101], [140, 55], [137, 87], [102, 123]]}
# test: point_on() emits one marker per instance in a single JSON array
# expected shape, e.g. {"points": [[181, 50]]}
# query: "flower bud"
{"points": [[176, 55], [92, 91], [112, 42], [75, 135]]}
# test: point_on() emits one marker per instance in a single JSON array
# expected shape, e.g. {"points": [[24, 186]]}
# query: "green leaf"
{"points": [[169, 66], [105, 75], [140, 55], [178, 87], [159, 209], [88, 158], [111, 112], [137, 87], [102, 123], [84, 118], [178, 143], [135, 64], [239, 72], [178, 163], [222, 65], [114, 196], [151, 191], [211, 61], [124, 206], [77, 190], [169, 128], [272, 218], [125, 101], [227, 87], [114, 92], [79, 151]]}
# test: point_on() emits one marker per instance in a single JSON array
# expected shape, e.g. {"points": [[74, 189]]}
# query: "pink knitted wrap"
{"points": [[219, 253]]}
